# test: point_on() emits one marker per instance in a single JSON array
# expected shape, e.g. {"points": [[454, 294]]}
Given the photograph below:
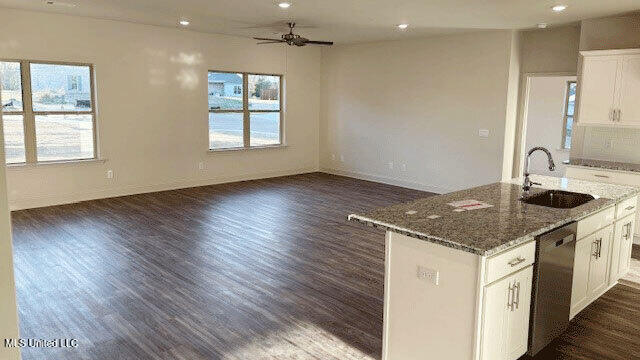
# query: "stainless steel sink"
{"points": [[558, 199]]}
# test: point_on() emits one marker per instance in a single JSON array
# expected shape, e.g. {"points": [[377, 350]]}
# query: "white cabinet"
{"points": [[621, 248], [505, 322], [598, 268], [591, 268], [629, 107], [581, 265], [609, 86]]}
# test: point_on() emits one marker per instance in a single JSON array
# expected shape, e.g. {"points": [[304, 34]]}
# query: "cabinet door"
{"points": [[495, 307], [597, 90], [518, 328], [616, 242], [581, 262], [630, 91], [626, 242], [598, 279]]}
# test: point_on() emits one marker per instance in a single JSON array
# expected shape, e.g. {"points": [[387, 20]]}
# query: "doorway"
{"points": [[546, 119]]}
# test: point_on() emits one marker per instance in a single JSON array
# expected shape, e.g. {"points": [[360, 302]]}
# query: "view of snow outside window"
{"points": [[226, 94], [55, 88], [12, 112]]}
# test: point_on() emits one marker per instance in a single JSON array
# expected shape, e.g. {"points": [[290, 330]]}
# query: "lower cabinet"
{"points": [[505, 323], [591, 268], [621, 248]]}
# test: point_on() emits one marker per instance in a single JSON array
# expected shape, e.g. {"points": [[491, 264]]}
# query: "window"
{"points": [[48, 111], [249, 114], [569, 109]]}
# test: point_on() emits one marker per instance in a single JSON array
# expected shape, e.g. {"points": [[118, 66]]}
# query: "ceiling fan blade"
{"points": [[320, 42], [270, 42], [267, 39]]}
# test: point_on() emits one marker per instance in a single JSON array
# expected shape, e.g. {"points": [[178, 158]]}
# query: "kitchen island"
{"points": [[459, 266]]}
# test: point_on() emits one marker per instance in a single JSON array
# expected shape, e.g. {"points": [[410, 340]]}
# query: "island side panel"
{"points": [[423, 320]]}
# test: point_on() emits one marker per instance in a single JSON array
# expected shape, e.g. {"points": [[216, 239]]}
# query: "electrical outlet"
{"points": [[201, 165], [341, 158], [404, 167], [430, 275], [333, 157], [109, 174], [390, 165]]}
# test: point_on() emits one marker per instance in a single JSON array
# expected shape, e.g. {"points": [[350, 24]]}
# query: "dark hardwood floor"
{"points": [[265, 269]]}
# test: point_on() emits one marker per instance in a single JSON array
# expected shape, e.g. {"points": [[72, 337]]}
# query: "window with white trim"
{"points": [[569, 109], [48, 111], [245, 110]]}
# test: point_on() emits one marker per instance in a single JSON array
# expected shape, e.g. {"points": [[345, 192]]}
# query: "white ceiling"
{"points": [[342, 21]]}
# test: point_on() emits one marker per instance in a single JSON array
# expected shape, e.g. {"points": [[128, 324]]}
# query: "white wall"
{"points": [[545, 118], [550, 50], [615, 32], [156, 141], [417, 103]]}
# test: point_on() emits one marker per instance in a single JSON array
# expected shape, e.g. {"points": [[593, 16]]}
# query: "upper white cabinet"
{"points": [[609, 85]]}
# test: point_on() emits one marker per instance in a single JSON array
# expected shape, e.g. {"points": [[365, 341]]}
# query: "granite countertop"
{"points": [[602, 164], [509, 222]]}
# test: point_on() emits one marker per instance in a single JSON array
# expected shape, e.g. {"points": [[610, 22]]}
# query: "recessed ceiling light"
{"points": [[542, 25], [185, 22], [403, 26], [284, 4], [559, 8]]}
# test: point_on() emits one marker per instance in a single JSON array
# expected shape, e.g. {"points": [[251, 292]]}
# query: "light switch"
{"points": [[483, 133]]}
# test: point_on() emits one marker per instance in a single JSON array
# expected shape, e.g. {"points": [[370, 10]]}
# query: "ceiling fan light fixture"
{"points": [[184, 22], [284, 4], [403, 26], [542, 25]]}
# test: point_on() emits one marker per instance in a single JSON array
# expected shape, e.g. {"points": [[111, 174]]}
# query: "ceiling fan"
{"points": [[292, 39]]}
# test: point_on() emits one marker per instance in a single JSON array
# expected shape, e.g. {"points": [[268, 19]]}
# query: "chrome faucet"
{"points": [[526, 186]]}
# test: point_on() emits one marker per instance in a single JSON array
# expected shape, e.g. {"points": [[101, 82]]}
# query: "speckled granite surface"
{"points": [[601, 164], [491, 230]]}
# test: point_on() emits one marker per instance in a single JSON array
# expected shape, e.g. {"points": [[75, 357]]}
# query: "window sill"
{"points": [[279, 146], [52, 163]]}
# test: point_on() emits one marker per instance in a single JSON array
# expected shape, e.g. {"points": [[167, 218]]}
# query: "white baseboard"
{"points": [[390, 181], [59, 199]]}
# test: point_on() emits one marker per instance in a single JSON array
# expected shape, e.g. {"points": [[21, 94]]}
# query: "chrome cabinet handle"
{"points": [[517, 297], [510, 297], [599, 248], [601, 176], [516, 261], [627, 236], [631, 207], [619, 115], [598, 244]]}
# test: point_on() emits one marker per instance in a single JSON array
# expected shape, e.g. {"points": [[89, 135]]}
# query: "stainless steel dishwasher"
{"points": [[552, 281]]}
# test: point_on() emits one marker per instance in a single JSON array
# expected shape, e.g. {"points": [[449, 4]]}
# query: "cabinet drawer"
{"points": [[510, 261], [627, 207], [595, 222], [603, 175]]}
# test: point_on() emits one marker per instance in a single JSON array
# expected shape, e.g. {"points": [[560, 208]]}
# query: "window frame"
{"points": [[246, 117], [29, 115], [565, 116]]}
